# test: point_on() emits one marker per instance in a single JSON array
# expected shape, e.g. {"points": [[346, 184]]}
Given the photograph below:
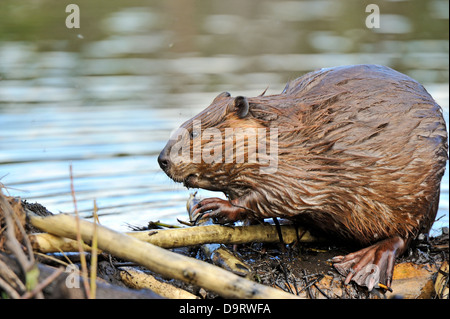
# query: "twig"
{"points": [[11, 277], [313, 282], [94, 254], [288, 287], [79, 239], [12, 242], [320, 290], [25, 238], [308, 285], [56, 260], [285, 275], [42, 284], [8, 289], [27, 264]]}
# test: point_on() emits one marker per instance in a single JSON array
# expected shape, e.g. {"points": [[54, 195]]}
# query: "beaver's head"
{"points": [[216, 147]]}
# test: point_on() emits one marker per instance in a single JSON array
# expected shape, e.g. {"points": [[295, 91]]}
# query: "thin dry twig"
{"points": [[12, 293], [25, 239], [12, 242], [42, 284], [94, 254], [79, 239], [27, 263], [11, 277]]}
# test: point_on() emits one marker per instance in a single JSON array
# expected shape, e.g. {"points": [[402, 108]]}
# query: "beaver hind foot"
{"points": [[372, 265]]}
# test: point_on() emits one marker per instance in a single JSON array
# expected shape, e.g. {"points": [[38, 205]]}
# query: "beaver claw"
{"points": [[221, 211], [372, 265]]}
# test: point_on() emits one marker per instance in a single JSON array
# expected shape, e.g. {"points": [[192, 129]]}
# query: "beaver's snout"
{"points": [[189, 180], [164, 160]]}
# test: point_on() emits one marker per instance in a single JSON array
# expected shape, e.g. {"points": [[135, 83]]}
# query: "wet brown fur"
{"points": [[361, 153]]}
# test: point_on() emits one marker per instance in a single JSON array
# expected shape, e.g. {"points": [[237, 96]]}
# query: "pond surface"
{"points": [[105, 97]]}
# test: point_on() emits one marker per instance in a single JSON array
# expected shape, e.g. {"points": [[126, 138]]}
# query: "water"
{"points": [[105, 97]]}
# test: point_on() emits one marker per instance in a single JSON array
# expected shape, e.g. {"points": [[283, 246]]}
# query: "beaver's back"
{"points": [[375, 110]]}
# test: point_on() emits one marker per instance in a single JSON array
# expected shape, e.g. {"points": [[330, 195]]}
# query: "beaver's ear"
{"points": [[240, 106], [221, 96]]}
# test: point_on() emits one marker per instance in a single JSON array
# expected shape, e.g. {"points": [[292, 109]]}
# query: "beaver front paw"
{"points": [[221, 211], [372, 265]]}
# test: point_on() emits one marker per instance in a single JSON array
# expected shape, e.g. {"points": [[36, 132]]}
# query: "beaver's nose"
{"points": [[164, 161]]}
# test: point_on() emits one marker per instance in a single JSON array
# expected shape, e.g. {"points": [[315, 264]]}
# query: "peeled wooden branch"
{"points": [[48, 243], [158, 259], [222, 257], [139, 280], [190, 236], [219, 253]]}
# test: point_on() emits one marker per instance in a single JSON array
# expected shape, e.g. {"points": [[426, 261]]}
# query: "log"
{"points": [[137, 279], [190, 236], [157, 259], [48, 243], [224, 258]]}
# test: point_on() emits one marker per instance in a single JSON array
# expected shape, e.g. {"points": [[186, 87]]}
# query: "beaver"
{"points": [[361, 151]]}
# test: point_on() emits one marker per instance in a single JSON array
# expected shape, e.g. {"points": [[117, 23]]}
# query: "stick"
{"points": [[94, 257], [139, 280], [172, 238], [78, 237], [43, 284], [219, 253], [27, 264], [12, 242], [48, 243], [182, 237], [8, 289]]}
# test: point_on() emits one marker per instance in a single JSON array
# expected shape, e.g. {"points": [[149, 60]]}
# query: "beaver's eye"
{"points": [[194, 134]]}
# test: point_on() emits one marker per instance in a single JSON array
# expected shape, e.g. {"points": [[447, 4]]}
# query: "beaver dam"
{"points": [[65, 257]]}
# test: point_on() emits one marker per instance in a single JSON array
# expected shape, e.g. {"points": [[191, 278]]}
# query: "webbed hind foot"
{"points": [[372, 265]]}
